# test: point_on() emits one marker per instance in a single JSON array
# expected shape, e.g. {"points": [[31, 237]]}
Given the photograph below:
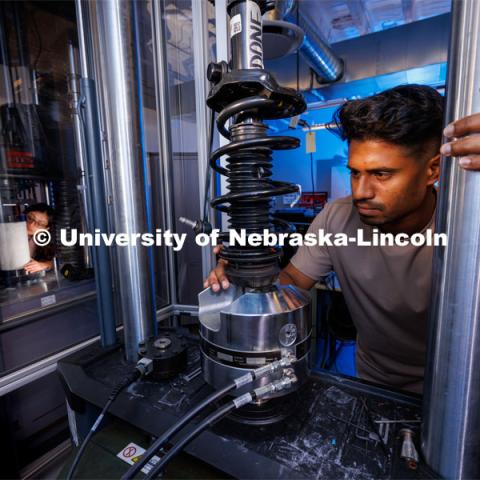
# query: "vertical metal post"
{"points": [[95, 181], [201, 60], [222, 38], [164, 133], [113, 29], [451, 430], [146, 184], [80, 154]]}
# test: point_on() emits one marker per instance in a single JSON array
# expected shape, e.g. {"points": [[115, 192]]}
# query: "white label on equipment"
{"points": [[49, 300], [132, 454], [151, 463], [235, 25]]}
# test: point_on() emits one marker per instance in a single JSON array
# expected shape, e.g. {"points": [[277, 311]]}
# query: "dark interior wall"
{"points": [[33, 420]]}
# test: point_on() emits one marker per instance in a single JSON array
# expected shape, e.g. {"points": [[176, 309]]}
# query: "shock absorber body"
{"points": [[255, 321]]}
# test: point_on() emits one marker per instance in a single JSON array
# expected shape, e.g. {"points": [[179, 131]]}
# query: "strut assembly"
{"points": [[247, 94], [255, 322]]}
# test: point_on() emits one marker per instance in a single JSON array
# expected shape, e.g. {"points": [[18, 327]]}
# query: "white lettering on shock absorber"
{"points": [[255, 46]]}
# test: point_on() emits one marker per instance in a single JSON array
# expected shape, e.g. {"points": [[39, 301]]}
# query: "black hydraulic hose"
{"points": [[159, 442], [217, 395], [113, 395], [217, 415], [206, 422]]}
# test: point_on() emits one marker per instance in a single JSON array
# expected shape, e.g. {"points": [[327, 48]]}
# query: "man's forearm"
{"points": [[285, 278], [292, 276]]}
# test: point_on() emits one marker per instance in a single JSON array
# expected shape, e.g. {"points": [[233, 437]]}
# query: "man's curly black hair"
{"points": [[407, 115]]}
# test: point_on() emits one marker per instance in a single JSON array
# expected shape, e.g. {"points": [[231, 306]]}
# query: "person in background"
{"points": [[39, 217]]}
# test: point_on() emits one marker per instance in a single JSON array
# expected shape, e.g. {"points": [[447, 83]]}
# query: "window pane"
{"points": [[41, 187]]}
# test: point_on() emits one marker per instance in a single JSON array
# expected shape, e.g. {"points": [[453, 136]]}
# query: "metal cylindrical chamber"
{"points": [[242, 331], [451, 429], [117, 66]]}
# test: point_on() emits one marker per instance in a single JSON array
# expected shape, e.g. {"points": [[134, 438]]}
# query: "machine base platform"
{"points": [[328, 434]]}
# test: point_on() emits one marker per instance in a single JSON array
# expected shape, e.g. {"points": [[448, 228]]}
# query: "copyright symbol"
{"points": [[41, 238]]}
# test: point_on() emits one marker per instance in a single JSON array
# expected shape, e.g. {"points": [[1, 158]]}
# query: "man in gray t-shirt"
{"points": [[386, 289], [394, 141]]}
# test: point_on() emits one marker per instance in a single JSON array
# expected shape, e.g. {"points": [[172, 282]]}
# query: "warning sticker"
{"points": [[235, 25], [132, 454]]}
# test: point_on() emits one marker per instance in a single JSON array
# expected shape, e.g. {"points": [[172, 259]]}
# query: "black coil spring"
{"points": [[249, 171]]}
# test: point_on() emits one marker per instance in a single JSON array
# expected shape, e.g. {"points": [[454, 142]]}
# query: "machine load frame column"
{"points": [[451, 430]]}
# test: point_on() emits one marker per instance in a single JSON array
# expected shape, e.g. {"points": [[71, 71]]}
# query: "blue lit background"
{"points": [[329, 162], [329, 171]]}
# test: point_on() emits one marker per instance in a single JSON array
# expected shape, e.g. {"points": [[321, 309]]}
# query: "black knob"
{"points": [[142, 348], [215, 71], [202, 226]]}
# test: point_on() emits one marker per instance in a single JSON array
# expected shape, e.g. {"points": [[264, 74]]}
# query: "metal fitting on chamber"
{"points": [[286, 382]]}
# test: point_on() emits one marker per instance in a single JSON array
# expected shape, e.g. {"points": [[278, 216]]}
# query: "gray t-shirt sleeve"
{"points": [[314, 262]]}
